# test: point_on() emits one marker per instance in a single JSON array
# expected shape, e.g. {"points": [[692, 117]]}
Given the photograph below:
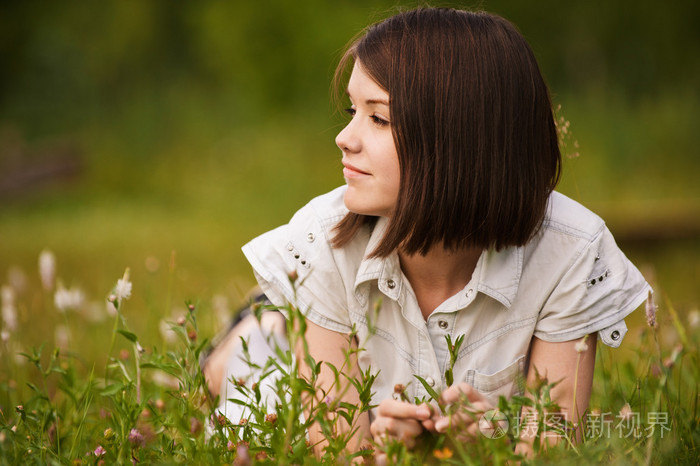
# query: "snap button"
{"points": [[430, 381], [615, 335], [443, 324], [310, 237], [290, 247], [391, 284], [296, 256], [469, 293]]}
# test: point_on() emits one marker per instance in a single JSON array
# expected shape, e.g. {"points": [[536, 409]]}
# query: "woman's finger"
{"points": [[404, 410], [461, 391], [462, 418], [405, 430]]}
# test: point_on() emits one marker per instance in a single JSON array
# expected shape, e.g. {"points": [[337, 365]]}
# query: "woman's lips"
{"points": [[350, 171]]}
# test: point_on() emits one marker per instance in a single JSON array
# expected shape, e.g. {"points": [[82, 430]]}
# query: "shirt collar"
{"points": [[497, 273]]}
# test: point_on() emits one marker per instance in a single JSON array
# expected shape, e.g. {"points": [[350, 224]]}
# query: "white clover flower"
{"points": [[47, 269], [123, 289], [9, 311], [68, 299], [581, 346]]}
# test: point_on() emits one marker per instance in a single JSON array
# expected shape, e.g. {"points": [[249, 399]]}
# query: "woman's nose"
{"points": [[347, 140]]}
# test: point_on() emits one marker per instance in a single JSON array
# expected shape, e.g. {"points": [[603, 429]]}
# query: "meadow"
{"points": [[160, 140]]}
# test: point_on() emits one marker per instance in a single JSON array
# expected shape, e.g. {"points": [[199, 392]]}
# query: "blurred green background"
{"points": [[130, 129]]}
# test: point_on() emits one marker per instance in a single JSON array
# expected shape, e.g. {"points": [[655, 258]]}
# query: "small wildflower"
{"points": [[651, 311], [626, 412], [68, 299], [195, 426], [99, 451], [243, 422], [51, 433], [293, 276], [443, 454], [670, 361], [242, 455], [19, 408], [47, 269], [9, 311], [400, 392], [160, 404], [181, 321], [136, 438], [123, 289], [230, 446], [190, 307], [271, 418], [581, 346], [192, 335], [260, 456], [108, 433], [167, 332]]}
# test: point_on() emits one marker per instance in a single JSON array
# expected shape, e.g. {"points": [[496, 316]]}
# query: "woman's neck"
{"points": [[438, 275]]}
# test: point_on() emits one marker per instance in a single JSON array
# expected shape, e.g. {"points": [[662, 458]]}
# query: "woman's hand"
{"points": [[399, 420], [465, 407]]}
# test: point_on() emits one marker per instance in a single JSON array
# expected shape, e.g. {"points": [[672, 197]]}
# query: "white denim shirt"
{"points": [[569, 280]]}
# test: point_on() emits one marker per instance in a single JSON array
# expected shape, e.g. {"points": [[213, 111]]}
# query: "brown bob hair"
{"points": [[473, 127]]}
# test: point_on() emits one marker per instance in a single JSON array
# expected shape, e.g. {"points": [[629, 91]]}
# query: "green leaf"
{"points": [[113, 389], [128, 335], [433, 394]]}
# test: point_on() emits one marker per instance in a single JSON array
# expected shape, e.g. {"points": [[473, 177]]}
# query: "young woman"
{"points": [[448, 225]]}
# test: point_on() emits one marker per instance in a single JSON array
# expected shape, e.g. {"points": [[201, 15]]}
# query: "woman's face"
{"points": [[370, 161]]}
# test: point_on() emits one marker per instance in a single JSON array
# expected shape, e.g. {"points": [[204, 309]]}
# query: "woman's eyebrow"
{"points": [[371, 101]]}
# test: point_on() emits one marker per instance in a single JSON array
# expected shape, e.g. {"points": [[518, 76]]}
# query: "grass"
{"points": [[140, 397]]}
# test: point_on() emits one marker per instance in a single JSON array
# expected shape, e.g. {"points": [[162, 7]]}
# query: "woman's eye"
{"points": [[350, 111], [379, 121]]}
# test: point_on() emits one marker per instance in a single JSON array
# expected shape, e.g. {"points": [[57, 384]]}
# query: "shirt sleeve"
{"points": [[301, 247], [595, 295]]}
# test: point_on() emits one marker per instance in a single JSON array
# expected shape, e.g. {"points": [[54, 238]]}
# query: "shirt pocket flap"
{"points": [[507, 382], [613, 335]]}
